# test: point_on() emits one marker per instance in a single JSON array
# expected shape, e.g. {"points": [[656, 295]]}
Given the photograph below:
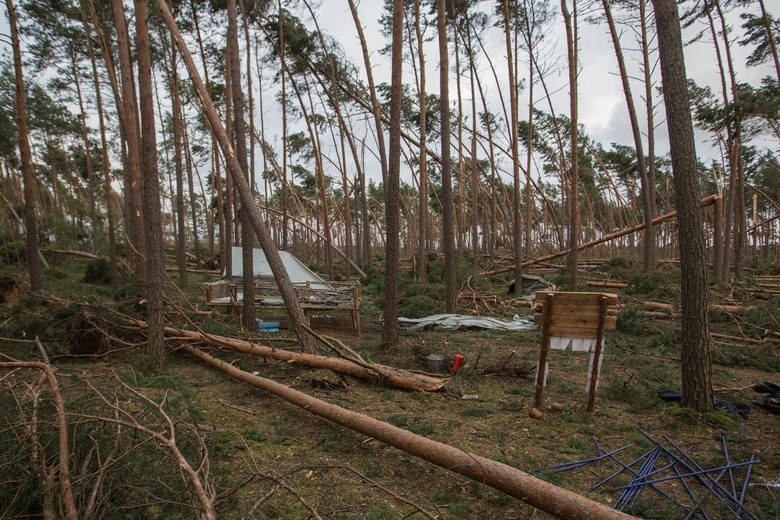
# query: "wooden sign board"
{"points": [[573, 315]]}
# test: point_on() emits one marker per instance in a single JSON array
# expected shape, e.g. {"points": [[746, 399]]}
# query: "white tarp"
{"points": [[296, 270], [457, 321]]}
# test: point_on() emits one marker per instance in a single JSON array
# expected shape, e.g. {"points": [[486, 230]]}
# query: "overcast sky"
{"points": [[602, 106], [601, 102]]}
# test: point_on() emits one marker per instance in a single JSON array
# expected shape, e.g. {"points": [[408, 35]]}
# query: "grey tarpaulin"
{"points": [[296, 270], [457, 321]]}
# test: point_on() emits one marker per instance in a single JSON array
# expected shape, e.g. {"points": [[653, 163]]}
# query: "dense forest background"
{"points": [[435, 154]]}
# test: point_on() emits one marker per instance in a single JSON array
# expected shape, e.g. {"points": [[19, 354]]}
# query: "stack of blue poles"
{"points": [[667, 462]]}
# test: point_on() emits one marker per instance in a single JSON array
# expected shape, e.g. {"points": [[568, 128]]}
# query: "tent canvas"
{"points": [[298, 272]]}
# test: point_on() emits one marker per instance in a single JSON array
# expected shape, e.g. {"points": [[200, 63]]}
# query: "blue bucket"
{"points": [[268, 326]]}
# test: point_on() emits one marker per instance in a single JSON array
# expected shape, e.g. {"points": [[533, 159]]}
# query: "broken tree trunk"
{"points": [[398, 378], [706, 201], [552, 499], [286, 290]]}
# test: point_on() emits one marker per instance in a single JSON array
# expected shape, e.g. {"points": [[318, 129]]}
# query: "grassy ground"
{"points": [[270, 459]]}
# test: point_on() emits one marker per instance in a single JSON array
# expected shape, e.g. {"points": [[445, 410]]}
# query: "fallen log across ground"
{"points": [[552, 499], [706, 201], [403, 379]]}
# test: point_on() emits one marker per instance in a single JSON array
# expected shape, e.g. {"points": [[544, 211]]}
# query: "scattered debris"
{"points": [[457, 321], [771, 401], [666, 462], [531, 284], [730, 407]]}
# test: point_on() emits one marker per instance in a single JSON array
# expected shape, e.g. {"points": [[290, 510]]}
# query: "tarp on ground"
{"points": [[457, 321], [298, 272]]}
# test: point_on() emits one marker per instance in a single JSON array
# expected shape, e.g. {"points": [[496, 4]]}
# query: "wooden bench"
{"points": [[579, 316], [313, 296]]}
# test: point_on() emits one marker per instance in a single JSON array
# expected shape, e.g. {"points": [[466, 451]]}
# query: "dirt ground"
{"points": [[270, 459]]}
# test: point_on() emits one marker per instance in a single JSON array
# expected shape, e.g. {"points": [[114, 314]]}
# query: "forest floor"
{"points": [[270, 459]]}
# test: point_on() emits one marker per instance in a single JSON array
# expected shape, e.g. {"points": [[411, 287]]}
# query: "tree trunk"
{"points": [[25, 153], [557, 501], [392, 189], [448, 225], [695, 355], [380, 136], [517, 245], [239, 134], [422, 239], [178, 151], [650, 111], [107, 190], [91, 182], [155, 254], [770, 37], [648, 190], [293, 306], [574, 171], [134, 218]]}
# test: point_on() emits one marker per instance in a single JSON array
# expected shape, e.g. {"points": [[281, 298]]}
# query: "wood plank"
{"points": [[585, 322], [576, 298]]}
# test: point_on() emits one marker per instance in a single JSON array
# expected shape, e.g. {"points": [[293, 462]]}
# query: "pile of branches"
{"points": [[108, 450]]}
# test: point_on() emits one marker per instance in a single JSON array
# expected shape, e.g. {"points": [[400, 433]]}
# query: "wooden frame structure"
{"points": [[576, 316], [313, 296]]}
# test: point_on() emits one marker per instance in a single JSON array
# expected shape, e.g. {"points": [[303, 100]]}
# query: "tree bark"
{"points": [[294, 310], [557, 501], [380, 136], [517, 223], [155, 254], [392, 189], [574, 171], [25, 153], [695, 354], [448, 224], [239, 135], [422, 238], [178, 151], [107, 190], [648, 190], [134, 223]]}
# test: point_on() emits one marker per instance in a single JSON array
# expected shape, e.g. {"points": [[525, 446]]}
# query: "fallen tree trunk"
{"points": [[615, 285], [72, 252], [552, 499], [403, 379], [706, 201]]}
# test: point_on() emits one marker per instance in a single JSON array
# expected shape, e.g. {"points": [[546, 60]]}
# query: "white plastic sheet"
{"points": [[458, 321]]}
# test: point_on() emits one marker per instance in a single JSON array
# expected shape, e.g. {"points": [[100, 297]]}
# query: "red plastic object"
{"points": [[457, 363]]}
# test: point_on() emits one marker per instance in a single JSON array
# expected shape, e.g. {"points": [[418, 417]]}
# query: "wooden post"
{"points": [[540, 371], [594, 373]]}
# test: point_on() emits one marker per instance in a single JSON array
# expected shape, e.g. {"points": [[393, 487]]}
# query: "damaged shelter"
{"points": [[314, 293]]}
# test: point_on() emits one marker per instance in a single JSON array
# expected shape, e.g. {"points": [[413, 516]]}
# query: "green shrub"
{"points": [[418, 306], [98, 271]]}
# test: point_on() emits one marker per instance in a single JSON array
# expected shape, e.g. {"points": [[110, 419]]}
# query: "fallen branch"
{"points": [[62, 431], [404, 379], [552, 499]]}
